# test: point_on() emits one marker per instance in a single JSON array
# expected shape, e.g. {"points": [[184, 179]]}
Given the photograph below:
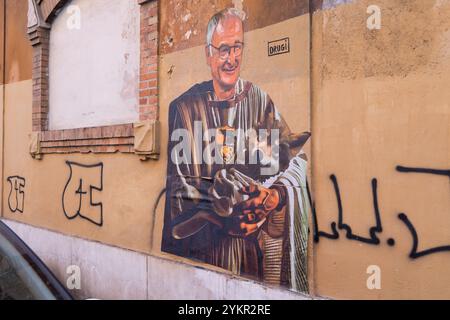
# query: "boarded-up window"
{"points": [[94, 64]]}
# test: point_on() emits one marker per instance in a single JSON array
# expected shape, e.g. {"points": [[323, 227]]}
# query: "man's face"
{"points": [[225, 71]]}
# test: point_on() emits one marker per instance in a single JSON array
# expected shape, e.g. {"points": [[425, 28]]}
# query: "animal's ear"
{"points": [[298, 140]]}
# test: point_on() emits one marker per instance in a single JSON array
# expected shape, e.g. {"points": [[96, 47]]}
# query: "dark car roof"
{"points": [[53, 284]]}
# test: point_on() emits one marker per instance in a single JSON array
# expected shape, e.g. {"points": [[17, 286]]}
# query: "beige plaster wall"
{"points": [[2, 89], [130, 186], [380, 100]]}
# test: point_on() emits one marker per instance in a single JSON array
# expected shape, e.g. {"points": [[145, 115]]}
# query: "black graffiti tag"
{"points": [[78, 194], [341, 225], [414, 254], [377, 228], [16, 198]]}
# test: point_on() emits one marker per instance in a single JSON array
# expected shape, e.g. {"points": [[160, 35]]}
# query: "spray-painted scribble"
{"points": [[377, 228], [16, 197], [415, 253], [80, 191]]}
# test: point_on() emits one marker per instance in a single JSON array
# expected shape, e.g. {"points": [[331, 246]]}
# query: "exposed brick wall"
{"points": [[148, 84], [106, 139], [40, 41]]}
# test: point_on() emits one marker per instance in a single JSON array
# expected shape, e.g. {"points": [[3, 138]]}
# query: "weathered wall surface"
{"points": [[185, 21], [18, 54], [2, 80], [44, 200], [381, 100], [2, 42], [48, 193], [129, 186]]}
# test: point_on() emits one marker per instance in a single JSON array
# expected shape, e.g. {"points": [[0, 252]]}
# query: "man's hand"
{"points": [[248, 216], [241, 226], [261, 203]]}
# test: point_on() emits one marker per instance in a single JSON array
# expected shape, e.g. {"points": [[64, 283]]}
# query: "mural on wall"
{"points": [[236, 174], [16, 197], [78, 197], [377, 229]]}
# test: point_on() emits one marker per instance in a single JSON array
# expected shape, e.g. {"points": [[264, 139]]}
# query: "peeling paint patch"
{"points": [[170, 71], [169, 41], [178, 17], [187, 17], [440, 3]]}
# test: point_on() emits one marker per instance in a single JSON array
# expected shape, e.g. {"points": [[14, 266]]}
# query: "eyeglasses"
{"points": [[225, 50]]}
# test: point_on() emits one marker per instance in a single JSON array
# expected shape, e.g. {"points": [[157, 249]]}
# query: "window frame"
{"points": [[101, 139]]}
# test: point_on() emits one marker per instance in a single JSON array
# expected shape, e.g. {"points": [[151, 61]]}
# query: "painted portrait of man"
{"points": [[236, 175]]}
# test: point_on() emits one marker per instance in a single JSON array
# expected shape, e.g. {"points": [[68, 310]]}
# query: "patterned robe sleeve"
{"points": [[290, 223]]}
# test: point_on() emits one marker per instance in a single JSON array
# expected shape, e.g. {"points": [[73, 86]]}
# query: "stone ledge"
{"points": [[139, 275]]}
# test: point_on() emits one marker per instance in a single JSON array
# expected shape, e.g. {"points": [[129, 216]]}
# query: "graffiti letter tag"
{"points": [[78, 194], [16, 198]]}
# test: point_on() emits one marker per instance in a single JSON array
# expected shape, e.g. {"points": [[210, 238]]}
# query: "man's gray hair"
{"points": [[218, 17]]}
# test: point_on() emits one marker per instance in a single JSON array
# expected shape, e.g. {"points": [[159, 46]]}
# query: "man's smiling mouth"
{"points": [[229, 70]]}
